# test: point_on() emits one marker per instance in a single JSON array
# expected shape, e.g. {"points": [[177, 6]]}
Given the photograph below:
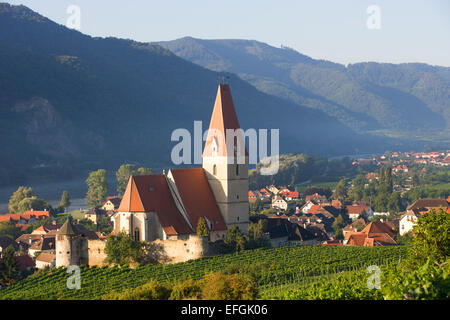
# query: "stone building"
{"points": [[164, 209], [169, 206]]}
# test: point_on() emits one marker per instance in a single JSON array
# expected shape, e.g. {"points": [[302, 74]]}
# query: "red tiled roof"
{"points": [[197, 197], [151, 193], [46, 257], [292, 194], [356, 209], [223, 118], [23, 227], [378, 227]]}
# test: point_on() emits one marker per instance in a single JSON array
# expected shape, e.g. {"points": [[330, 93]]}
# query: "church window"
{"points": [[214, 170], [136, 235]]}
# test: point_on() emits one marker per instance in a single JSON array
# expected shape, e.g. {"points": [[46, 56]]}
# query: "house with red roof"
{"points": [[374, 234], [112, 203], [355, 210], [317, 198], [292, 195]]}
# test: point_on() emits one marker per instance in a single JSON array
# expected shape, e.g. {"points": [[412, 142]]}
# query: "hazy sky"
{"points": [[410, 30]]}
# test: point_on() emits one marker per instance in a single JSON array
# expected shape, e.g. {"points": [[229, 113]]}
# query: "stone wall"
{"points": [[178, 250], [96, 251]]}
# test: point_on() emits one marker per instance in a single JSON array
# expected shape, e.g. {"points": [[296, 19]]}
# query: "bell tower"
{"points": [[225, 161]]}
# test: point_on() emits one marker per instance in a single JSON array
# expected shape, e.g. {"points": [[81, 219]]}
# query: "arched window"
{"points": [[214, 170], [137, 235]]}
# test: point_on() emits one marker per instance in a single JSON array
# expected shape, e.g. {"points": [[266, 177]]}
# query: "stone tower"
{"points": [[70, 246], [225, 161]]}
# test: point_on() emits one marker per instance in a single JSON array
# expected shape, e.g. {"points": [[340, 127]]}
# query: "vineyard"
{"points": [[284, 267]]}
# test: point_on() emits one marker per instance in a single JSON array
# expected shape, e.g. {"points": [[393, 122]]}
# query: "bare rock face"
{"points": [[47, 130]]}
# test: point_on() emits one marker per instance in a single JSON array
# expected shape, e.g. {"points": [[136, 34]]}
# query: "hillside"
{"points": [[70, 102], [391, 99], [280, 265]]}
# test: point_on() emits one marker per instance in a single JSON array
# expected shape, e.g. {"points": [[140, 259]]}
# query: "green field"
{"points": [[283, 266]]}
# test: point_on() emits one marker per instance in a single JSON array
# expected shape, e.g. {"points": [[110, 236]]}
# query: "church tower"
{"points": [[225, 161]]}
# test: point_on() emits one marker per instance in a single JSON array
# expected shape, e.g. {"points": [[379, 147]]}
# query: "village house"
{"points": [[111, 204], [354, 226], [272, 189], [355, 210], [407, 222], [292, 195], [421, 206], [45, 260], [375, 233], [316, 198], [279, 203], [28, 218], [95, 214], [45, 229]]}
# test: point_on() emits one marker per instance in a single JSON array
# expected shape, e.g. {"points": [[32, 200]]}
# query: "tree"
{"points": [[33, 203], [341, 190], [124, 173], [144, 171], [202, 228], [122, 250], [256, 206], [97, 188], [337, 226], [65, 200], [394, 204], [9, 229], [431, 237], [415, 180], [20, 194], [235, 238], [9, 267]]}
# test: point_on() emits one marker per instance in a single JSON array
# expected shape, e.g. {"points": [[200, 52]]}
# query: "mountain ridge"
{"points": [[354, 94], [76, 102]]}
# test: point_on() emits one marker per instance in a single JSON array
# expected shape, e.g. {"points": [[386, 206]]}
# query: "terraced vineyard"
{"points": [[282, 266]]}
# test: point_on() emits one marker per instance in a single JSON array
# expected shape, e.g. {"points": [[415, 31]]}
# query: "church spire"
{"points": [[223, 118]]}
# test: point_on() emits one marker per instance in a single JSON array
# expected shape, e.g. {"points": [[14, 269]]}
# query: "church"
{"points": [[168, 206]]}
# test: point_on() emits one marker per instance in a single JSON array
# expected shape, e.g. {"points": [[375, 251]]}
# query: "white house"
{"points": [[279, 203], [407, 222]]}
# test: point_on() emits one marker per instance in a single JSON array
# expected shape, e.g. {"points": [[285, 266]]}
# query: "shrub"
{"points": [[219, 286], [186, 290], [152, 290]]}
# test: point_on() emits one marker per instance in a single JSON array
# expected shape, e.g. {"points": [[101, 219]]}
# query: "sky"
{"points": [[345, 31]]}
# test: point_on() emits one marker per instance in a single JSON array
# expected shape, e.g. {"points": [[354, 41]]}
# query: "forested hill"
{"points": [[72, 100], [410, 99]]}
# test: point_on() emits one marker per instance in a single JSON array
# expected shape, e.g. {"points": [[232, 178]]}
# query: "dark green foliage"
{"points": [[432, 237], [97, 188], [122, 250], [9, 267], [20, 194], [341, 191], [9, 229], [65, 200]]}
